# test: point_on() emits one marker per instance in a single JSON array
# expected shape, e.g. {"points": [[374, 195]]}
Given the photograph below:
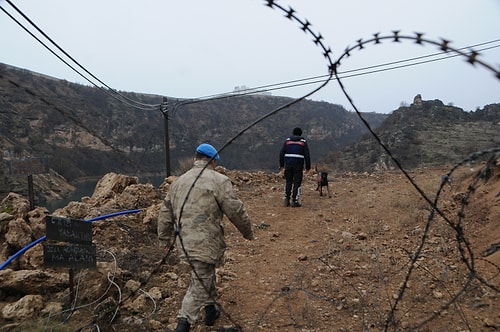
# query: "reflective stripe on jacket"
{"points": [[295, 152]]}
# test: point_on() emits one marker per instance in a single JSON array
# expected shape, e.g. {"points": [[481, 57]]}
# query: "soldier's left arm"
{"points": [[234, 209]]}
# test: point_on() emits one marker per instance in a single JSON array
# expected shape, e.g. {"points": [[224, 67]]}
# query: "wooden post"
{"points": [[71, 286]]}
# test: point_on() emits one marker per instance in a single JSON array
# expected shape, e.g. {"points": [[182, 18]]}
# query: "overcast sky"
{"points": [[190, 49]]}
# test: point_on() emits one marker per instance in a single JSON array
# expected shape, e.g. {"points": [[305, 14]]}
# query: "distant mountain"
{"points": [[86, 132], [425, 134]]}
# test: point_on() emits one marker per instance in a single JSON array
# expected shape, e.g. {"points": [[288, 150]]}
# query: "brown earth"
{"points": [[369, 258]]}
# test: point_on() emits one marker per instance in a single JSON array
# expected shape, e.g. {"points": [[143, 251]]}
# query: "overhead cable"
{"points": [[250, 91], [126, 100]]}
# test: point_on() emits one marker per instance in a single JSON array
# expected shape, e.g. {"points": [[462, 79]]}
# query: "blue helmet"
{"points": [[207, 150]]}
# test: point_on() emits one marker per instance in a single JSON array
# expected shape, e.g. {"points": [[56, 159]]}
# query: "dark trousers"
{"points": [[293, 178]]}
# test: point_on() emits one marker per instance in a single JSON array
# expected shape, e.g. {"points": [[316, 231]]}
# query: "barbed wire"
{"points": [[301, 294], [317, 38], [472, 58], [463, 244], [370, 308], [391, 320]]}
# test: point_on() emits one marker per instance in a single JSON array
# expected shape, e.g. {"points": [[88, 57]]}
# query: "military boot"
{"points": [[212, 313], [182, 325]]}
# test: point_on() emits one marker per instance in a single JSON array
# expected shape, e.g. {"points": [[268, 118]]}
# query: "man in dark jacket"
{"points": [[293, 155]]}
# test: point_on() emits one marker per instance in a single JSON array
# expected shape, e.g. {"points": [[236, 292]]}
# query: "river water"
{"points": [[87, 187]]}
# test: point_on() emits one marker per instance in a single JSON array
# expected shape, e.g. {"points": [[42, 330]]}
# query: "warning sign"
{"points": [[78, 253], [69, 255], [68, 230]]}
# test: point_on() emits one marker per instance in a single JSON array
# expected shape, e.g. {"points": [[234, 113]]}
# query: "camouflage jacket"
{"points": [[199, 216]]}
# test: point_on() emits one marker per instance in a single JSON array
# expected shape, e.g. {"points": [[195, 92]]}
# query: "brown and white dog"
{"points": [[322, 180]]}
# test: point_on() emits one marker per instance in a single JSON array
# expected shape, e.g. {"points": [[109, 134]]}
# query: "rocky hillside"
{"points": [[86, 131], [421, 135]]}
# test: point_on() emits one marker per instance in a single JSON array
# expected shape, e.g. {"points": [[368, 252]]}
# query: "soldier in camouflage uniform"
{"points": [[195, 212]]}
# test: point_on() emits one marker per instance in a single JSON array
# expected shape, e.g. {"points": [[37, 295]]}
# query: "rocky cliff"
{"points": [[87, 131], [422, 135]]}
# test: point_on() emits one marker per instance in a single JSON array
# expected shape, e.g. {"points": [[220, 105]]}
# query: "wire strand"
{"points": [[127, 100]]}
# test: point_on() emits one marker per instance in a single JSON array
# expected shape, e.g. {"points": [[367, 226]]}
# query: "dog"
{"points": [[322, 180]]}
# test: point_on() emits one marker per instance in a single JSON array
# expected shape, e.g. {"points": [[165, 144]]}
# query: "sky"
{"points": [[200, 48]]}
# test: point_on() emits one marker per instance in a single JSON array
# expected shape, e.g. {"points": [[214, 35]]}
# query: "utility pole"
{"points": [[164, 111], [174, 107]]}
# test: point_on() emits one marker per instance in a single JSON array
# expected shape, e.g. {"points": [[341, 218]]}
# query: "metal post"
{"points": [[31, 193], [164, 110]]}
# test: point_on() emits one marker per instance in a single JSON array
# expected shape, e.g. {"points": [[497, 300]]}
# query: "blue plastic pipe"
{"points": [[43, 238]]}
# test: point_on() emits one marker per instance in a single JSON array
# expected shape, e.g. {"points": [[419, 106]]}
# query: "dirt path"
{"points": [[337, 263]]}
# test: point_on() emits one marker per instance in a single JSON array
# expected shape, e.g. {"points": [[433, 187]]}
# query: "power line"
{"points": [[346, 74], [250, 91], [126, 99]]}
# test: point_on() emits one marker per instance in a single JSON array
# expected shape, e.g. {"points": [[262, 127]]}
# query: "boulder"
{"points": [[26, 307], [32, 281]]}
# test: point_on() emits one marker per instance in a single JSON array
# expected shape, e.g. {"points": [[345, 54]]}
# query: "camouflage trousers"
{"points": [[196, 296]]}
